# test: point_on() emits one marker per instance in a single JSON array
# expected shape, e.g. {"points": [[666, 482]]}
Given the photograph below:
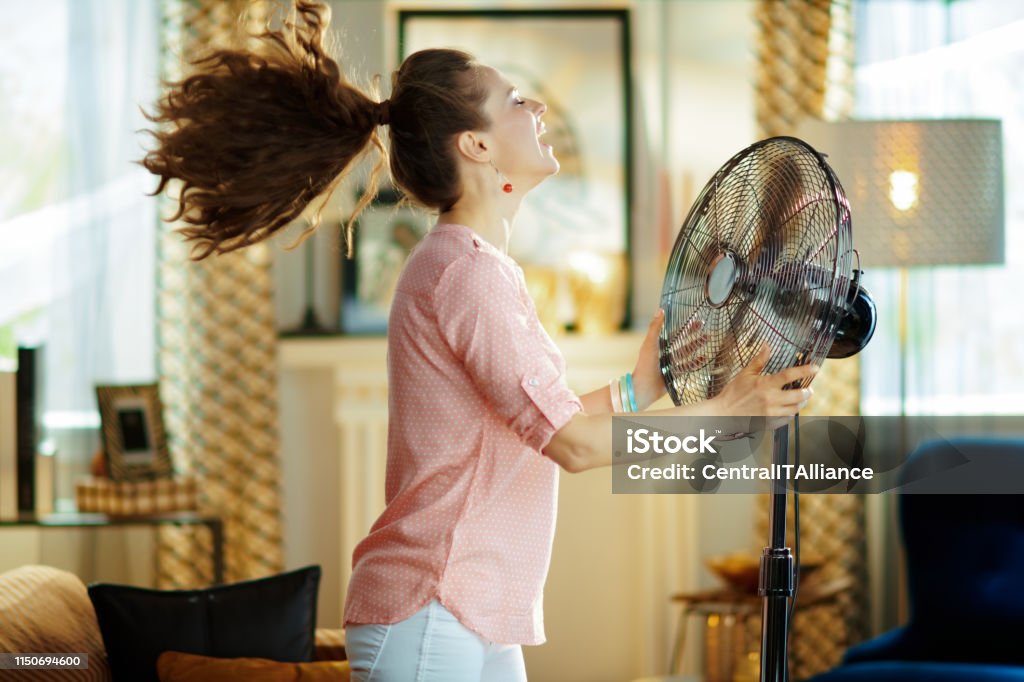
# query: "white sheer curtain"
{"points": [[77, 232], [941, 59]]}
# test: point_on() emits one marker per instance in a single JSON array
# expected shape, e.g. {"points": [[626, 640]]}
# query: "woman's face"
{"points": [[516, 129]]}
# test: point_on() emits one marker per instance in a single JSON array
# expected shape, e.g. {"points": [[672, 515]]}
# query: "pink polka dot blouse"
{"points": [[476, 390]]}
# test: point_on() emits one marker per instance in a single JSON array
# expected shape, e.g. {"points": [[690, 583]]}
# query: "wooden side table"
{"points": [[183, 518], [726, 612]]}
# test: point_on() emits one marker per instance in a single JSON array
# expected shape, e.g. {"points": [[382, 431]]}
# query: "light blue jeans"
{"points": [[430, 646]]}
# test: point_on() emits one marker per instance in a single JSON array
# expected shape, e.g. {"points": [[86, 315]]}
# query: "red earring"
{"points": [[506, 186]]}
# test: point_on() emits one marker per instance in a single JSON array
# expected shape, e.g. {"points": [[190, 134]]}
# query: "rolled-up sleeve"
{"points": [[489, 327]]}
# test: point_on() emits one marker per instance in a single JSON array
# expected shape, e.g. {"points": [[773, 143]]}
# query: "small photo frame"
{"points": [[385, 234], [132, 427]]}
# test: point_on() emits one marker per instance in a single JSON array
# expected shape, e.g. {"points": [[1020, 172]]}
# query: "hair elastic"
{"points": [[383, 111]]}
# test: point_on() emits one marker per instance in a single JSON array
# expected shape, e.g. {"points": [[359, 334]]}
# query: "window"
{"points": [[78, 231], [943, 59]]}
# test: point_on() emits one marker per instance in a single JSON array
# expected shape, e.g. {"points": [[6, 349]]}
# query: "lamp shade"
{"points": [[922, 192]]}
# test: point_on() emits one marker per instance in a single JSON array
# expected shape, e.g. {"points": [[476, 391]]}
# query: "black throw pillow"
{"points": [[272, 617]]}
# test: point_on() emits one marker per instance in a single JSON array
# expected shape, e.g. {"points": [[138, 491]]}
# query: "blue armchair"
{"points": [[965, 570]]}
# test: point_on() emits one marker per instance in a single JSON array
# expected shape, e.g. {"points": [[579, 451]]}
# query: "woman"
{"points": [[448, 584]]}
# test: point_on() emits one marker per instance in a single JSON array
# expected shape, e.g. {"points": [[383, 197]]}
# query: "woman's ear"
{"points": [[473, 146]]}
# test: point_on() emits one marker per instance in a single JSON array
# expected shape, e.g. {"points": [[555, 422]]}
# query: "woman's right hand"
{"points": [[752, 394], [584, 442]]}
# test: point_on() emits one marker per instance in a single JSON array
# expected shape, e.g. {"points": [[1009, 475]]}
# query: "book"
{"points": [[29, 404], [8, 446]]}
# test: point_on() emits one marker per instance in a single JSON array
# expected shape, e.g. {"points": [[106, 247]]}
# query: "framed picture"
{"points": [[132, 427], [577, 223], [385, 233]]}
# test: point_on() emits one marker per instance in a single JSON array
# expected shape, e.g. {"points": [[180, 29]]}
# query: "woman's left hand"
{"points": [[647, 381]]}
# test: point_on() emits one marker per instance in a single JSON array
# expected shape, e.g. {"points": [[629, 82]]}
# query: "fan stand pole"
{"points": [[776, 578]]}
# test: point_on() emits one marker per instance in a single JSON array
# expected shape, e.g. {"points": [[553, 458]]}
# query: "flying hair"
{"points": [[255, 135]]}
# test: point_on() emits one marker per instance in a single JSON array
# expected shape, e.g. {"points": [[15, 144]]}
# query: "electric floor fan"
{"points": [[765, 256]]}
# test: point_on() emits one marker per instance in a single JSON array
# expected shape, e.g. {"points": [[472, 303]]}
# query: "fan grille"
{"points": [[764, 256]]}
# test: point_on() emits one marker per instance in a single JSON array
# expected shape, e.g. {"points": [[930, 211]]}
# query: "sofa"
{"points": [[965, 567], [48, 610]]}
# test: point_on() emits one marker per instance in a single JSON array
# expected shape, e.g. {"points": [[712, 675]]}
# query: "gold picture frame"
{"points": [[132, 429]]}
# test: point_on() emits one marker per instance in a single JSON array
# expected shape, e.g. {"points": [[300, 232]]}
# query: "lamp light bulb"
{"points": [[903, 189]]}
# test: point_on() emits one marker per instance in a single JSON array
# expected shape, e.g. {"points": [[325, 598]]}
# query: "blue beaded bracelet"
{"points": [[632, 395], [624, 395]]}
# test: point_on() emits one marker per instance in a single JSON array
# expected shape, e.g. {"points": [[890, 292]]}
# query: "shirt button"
{"points": [[534, 382]]}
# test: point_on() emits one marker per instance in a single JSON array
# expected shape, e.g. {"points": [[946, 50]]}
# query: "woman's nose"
{"points": [[541, 107]]}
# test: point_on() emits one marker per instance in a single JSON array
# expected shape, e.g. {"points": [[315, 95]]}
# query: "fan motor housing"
{"points": [[722, 277]]}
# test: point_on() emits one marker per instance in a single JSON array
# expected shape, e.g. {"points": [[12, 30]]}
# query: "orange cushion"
{"points": [[329, 644], [174, 666]]}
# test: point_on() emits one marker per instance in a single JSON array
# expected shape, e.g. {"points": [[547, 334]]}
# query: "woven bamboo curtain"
{"points": [[805, 69], [217, 356]]}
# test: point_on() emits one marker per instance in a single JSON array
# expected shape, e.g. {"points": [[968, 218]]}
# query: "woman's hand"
{"points": [[583, 443], [647, 381], [751, 394]]}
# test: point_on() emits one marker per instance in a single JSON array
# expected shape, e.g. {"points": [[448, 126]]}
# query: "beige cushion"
{"points": [[47, 610]]}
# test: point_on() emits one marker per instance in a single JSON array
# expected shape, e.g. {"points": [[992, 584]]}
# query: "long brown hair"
{"points": [[255, 136]]}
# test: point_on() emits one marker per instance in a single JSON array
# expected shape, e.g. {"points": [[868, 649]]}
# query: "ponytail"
{"points": [[255, 136]]}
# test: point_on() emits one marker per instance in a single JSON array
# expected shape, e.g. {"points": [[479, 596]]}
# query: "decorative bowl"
{"points": [[740, 570]]}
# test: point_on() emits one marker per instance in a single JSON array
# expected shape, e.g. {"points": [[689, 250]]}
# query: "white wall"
{"points": [[311, 499]]}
